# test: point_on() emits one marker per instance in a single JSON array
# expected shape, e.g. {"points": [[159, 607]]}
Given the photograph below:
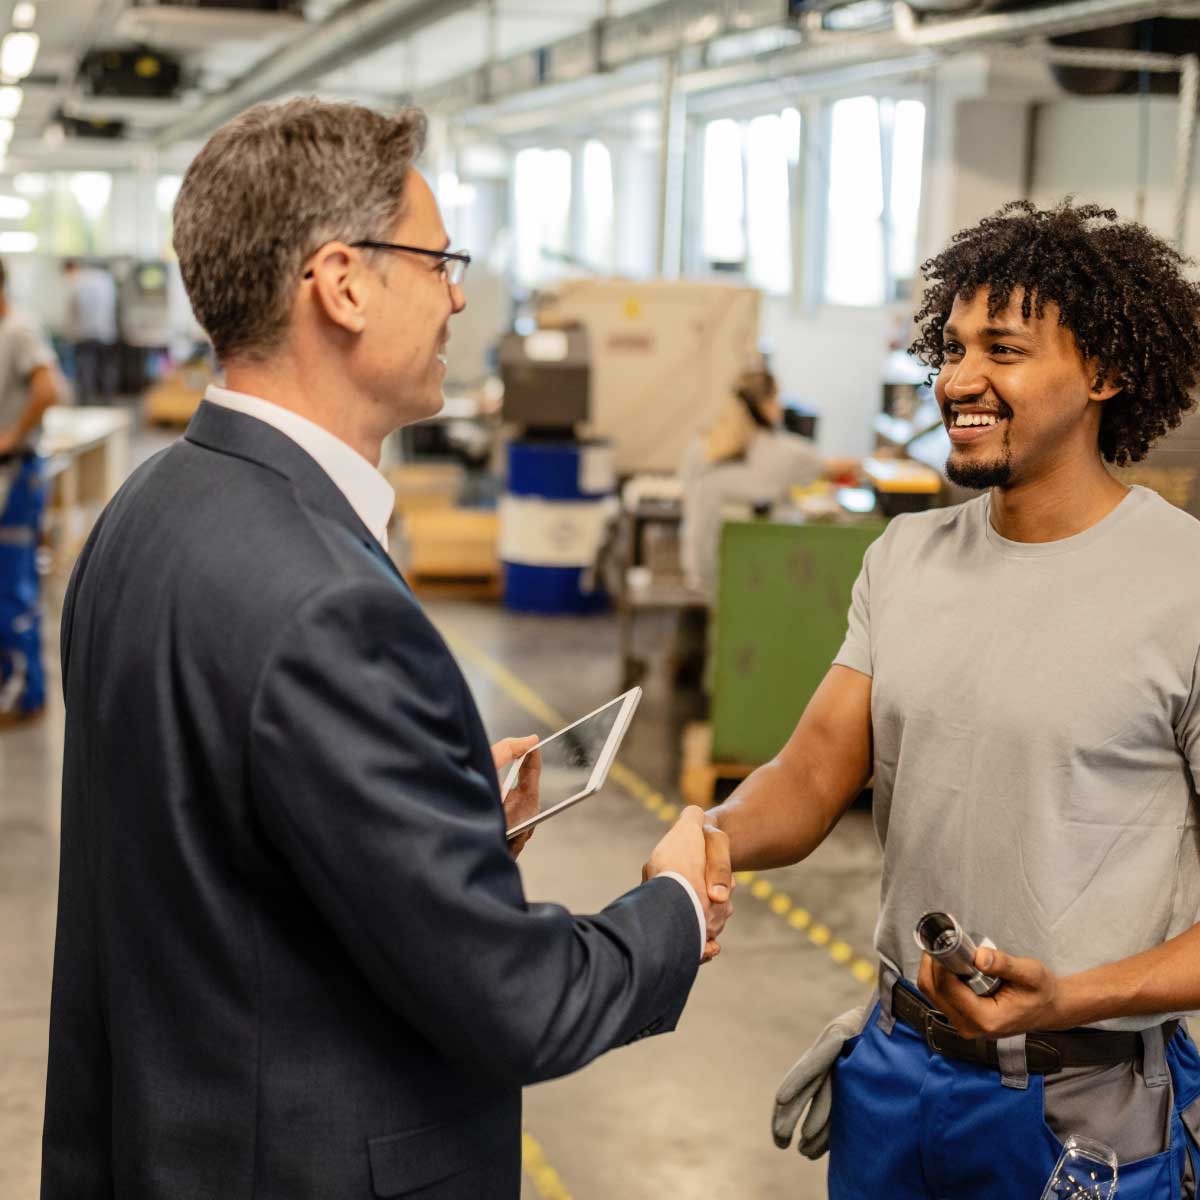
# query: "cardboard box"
{"points": [[423, 486], [175, 398], [451, 543]]}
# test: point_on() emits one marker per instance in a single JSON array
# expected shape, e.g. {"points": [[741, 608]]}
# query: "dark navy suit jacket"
{"points": [[294, 959]]}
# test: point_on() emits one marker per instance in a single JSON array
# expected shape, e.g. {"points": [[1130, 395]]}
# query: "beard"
{"points": [[979, 476]]}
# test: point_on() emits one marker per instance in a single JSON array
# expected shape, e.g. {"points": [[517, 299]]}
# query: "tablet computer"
{"points": [[575, 760]]}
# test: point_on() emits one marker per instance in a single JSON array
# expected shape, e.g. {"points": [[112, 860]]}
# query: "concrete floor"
{"points": [[686, 1115]]}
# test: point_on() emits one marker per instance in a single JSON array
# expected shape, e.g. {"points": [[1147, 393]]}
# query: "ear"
{"points": [[1103, 387], [337, 276]]}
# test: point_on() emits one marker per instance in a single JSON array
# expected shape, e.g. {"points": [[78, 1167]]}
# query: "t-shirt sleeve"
{"points": [[30, 351], [856, 649], [1187, 732]]}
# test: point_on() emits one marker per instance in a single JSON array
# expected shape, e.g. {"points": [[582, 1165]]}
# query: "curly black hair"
{"points": [[1120, 290]]}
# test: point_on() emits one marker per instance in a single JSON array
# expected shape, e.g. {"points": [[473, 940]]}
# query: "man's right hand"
{"points": [[700, 853]]}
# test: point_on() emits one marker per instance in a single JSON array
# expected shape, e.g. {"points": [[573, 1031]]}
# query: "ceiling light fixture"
{"points": [[30, 183], [24, 14], [14, 208], [10, 102], [17, 241], [18, 53]]}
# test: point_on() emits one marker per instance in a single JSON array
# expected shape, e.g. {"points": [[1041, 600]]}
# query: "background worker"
{"points": [[28, 386], [1021, 674], [92, 331], [746, 457]]}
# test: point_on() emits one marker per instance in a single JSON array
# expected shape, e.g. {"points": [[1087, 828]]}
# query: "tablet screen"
{"points": [[569, 757]]}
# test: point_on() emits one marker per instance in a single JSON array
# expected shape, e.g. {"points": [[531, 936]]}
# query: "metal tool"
{"points": [[943, 938]]}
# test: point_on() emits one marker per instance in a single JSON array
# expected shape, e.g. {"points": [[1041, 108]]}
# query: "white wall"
{"points": [[832, 360], [1089, 147]]}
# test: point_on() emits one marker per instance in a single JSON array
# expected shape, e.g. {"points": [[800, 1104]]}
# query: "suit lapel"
{"points": [[229, 432]]}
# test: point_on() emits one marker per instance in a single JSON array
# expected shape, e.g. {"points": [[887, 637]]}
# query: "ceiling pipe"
{"points": [[1073, 17], [1185, 141], [829, 52], [353, 29]]}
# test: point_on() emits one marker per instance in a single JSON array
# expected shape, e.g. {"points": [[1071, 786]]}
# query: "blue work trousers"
{"points": [[910, 1124], [22, 676]]}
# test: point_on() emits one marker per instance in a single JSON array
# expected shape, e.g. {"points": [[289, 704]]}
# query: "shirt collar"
{"points": [[366, 490]]}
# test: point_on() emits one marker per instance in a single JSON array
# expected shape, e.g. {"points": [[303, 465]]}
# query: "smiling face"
{"points": [[404, 345], [1016, 395]]}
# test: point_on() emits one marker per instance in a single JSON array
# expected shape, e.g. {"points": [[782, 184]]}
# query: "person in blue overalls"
{"points": [[1021, 676], [28, 386]]}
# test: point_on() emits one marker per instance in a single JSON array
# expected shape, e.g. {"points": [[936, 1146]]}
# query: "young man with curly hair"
{"points": [[1020, 676]]}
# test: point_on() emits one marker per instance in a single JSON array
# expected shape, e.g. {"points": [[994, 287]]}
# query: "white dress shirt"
{"points": [[368, 492]]}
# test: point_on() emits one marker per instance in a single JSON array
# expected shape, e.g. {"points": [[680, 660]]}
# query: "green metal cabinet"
{"points": [[782, 597]]}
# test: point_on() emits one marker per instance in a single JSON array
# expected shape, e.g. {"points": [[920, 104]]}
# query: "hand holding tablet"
{"points": [[576, 760]]}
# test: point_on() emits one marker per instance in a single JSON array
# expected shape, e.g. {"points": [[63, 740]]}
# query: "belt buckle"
{"points": [[935, 1023], [1041, 1057]]}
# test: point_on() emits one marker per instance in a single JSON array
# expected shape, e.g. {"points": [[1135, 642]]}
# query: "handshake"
{"points": [[697, 851], [700, 853]]}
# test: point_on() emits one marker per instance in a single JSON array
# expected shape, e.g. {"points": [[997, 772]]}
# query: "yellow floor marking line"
{"points": [[515, 688], [781, 904], [545, 1179]]}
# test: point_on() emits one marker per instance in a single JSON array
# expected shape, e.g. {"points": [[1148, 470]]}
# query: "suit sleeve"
{"points": [[367, 775]]}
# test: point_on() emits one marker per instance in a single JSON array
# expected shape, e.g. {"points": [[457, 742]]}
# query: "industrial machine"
{"points": [[547, 380], [664, 355]]}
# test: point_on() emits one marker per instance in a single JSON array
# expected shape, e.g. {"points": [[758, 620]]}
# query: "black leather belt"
{"points": [[1045, 1053]]}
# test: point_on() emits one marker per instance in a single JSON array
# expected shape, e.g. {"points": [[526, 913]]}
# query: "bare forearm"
{"points": [[1165, 979], [41, 396], [779, 815], [785, 809]]}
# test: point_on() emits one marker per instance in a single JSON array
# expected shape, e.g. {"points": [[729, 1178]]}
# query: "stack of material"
{"points": [[423, 487], [447, 544], [176, 396], [440, 543]]}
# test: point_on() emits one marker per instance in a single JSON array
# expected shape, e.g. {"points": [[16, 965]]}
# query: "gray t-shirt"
{"points": [[22, 350], [1036, 717]]}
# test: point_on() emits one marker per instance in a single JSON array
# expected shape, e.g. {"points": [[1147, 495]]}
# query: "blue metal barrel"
{"points": [[552, 521]]}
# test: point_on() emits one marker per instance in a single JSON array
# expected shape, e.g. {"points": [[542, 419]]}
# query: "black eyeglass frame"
{"points": [[444, 255]]}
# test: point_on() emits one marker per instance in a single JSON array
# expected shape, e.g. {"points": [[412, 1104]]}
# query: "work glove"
{"points": [[811, 1079]]}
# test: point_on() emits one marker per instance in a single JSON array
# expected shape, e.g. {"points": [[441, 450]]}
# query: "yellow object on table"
{"points": [[902, 476]]}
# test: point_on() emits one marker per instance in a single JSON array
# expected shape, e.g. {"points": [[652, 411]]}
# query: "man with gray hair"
{"points": [[294, 957]]}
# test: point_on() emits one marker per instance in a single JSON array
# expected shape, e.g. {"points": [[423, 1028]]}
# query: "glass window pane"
{"points": [[768, 220], [542, 206], [854, 269], [792, 127], [723, 238], [597, 206], [908, 147]]}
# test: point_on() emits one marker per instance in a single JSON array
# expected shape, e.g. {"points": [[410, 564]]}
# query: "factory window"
{"points": [[597, 200], [746, 210], [542, 206], [769, 142], [724, 230], [875, 153], [908, 144]]}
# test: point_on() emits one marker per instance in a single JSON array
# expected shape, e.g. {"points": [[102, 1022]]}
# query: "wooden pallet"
{"points": [[699, 774], [441, 587]]}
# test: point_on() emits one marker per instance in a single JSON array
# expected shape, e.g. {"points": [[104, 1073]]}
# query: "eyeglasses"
{"points": [[454, 265]]}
